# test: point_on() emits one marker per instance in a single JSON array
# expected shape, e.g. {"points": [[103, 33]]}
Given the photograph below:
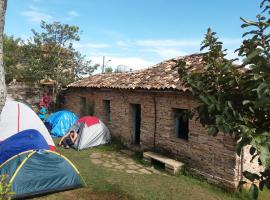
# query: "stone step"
{"points": [[171, 165]]}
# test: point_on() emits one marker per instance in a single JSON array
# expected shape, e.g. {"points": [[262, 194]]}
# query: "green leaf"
{"points": [[243, 142], [253, 191], [212, 130], [252, 150], [251, 176], [267, 183], [265, 156], [261, 88], [261, 185], [251, 56], [241, 183], [246, 102]]}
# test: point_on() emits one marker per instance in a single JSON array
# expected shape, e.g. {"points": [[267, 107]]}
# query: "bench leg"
{"points": [[172, 170], [146, 159]]}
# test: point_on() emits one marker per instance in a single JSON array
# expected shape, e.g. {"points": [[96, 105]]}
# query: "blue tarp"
{"points": [[61, 122], [23, 141]]}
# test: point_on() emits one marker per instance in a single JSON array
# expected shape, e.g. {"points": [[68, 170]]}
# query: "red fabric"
{"points": [[52, 148], [88, 120], [46, 99]]}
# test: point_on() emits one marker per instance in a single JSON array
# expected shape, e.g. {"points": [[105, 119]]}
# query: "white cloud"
{"points": [[91, 45], [231, 41], [135, 63], [167, 43], [182, 43], [139, 54], [35, 15], [167, 53], [233, 55], [122, 44], [72, 13]]}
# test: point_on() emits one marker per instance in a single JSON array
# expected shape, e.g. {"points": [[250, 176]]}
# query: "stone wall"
{"points": [[30, 94], [22, 92], [213, 158]]}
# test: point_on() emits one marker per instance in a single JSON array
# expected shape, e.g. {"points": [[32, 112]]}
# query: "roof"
{"points": [[47, 82], [162, 76]]}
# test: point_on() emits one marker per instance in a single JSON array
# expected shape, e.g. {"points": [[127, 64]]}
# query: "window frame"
{"points": [[107, 109], [180, 115]]}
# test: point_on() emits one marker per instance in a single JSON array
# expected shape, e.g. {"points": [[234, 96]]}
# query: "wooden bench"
{"points": [[172, 166]]}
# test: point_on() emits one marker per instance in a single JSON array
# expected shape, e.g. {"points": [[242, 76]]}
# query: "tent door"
{"points": [[136, 123]]}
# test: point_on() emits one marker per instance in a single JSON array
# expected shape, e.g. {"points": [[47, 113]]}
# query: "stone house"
{"points": [[145, 110]]}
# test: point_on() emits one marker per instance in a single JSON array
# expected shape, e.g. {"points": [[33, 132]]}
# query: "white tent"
{"points": [[17, 117], [92, 132]]}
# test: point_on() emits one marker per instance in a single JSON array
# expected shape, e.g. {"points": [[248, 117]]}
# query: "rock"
{"points": [[129, 171], [144, 171], [96, 161]]}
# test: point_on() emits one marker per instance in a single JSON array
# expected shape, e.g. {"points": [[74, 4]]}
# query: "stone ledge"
{"points": [[171, 165]]}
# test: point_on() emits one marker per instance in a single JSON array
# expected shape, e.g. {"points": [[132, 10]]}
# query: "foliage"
{"points": [[12, 58], [50, 54], [236, 99], [5, 188], [108, 70]]}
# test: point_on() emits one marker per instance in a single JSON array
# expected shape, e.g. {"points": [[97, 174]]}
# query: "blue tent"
{"points": [[34, 173], [61, 122], [25, 140]]}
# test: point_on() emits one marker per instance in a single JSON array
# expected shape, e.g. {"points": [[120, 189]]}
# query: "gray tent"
{"points": [[92, 132]]}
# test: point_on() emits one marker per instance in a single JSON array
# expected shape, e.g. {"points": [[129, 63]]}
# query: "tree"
{"points": [[12, 58], [108, 70], [234, 99], [3, 93], [4, 188], [50, 54]]}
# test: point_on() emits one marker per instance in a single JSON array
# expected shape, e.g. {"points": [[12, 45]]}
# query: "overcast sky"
{"points": [[136, 33]]}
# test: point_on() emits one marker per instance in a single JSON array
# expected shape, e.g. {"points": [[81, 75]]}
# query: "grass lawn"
{"points": [[104, 183]]}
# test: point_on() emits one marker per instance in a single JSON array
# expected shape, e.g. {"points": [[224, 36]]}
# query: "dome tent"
{"points": [[20, 142], [61, 122], [39, 172], [92, 132], [16, 117]]}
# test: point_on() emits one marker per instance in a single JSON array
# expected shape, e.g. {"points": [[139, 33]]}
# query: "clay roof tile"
{"points": [[161, 76]]}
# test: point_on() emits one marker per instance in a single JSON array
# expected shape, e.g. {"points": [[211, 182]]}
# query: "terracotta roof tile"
{"points": [[161, 76]]}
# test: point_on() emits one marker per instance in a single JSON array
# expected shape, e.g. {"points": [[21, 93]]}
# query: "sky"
{"points": [[136, 33]]}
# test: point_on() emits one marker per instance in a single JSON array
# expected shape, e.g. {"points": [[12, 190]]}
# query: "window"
{"points": [[107, 109], [82, 106], [86, 107], [181, 123]]}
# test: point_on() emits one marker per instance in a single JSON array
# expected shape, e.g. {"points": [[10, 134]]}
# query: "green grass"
{"points": [[103, 183]]}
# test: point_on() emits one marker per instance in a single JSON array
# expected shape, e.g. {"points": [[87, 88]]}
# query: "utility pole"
{"points": [[103, 63]]}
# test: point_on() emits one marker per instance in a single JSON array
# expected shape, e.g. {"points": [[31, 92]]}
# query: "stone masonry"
{"points": [[161, 96], [212, 158]]}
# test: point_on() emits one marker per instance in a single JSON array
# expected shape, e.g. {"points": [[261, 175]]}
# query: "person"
{"points": [[42, 112], [68, 140], [46, 99]]}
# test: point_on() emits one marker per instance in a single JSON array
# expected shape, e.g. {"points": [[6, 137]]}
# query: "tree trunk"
{"points": [[3, 92]]}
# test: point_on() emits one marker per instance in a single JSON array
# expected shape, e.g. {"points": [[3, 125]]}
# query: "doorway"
{"points": [[136, 123]]}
